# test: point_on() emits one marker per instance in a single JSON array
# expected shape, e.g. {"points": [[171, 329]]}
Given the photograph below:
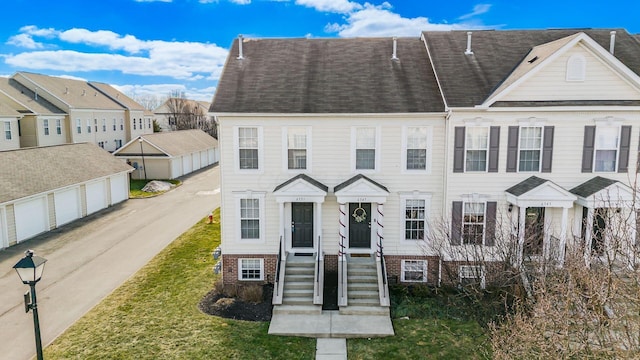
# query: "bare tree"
{"points": [[188, 114], [149, 102]]}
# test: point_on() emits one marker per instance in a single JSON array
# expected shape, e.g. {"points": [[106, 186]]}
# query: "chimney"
{"points": [[240, 57], [394, 55], [612, 43], [468, 50]]}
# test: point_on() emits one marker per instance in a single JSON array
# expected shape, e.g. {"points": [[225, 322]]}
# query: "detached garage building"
{"points": [[169, 155], [42, 188]]}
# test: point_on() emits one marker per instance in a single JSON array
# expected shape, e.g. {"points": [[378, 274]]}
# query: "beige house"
{"points": [[43, 188], [169, 155], [9, 138]]}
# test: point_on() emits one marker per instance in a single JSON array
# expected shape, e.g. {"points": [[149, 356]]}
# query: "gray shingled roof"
{"points": [[117, 96], [328, 76], [306, 178], [592, 186], [175, 143], [64, 165], [356, 178], [526, 185], [467, 80], [27, 100]]}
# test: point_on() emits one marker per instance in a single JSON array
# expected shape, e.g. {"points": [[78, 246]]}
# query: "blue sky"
{"points": [[153, 47]]}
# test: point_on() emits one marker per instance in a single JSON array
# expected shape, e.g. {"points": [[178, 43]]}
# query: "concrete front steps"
{"points": [[363, 297], [298, 287]]}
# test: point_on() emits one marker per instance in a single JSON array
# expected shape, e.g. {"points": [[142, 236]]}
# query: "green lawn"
{"points": [[154, 315]]}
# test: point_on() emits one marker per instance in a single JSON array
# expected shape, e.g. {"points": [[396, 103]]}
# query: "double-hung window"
{"points": [[121, 124], [45, 123], [104, 125], [477, 146], [530, 149], [250, 218], [414, 219], [473, 223], [59, 127], [7, 130], [414, 271], [250, 269], [296, 148], [365, 148], [606, 148], [95, 124], [248, 148], [114, 125], [79, 126], [88, 126], [415, 152]]}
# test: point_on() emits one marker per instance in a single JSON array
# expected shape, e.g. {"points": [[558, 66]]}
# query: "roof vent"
{"points": [[35, 94], [66, 89], [84, 92], [394, 55], [612, 43], [240, 57], [468, 50], [533, 59]]}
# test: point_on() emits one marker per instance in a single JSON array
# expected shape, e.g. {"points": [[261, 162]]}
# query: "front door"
{"points": [[360, 225], [534, 231], [302, 225]]}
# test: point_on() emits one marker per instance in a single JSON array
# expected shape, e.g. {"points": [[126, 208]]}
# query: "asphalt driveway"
{"points": [[91, 257]]}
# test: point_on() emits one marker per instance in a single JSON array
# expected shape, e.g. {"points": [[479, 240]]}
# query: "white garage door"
{"points": [[196, 161], [119, 188], [212, 156], [31, 218], [67, 204], [203, 159], [96, 196], [3, 230], [186, 164], [176, 168]]}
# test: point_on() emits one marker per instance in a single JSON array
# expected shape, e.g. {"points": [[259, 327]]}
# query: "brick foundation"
{"points": [[230, 268]]}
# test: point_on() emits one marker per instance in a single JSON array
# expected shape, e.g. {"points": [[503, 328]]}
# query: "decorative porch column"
{"points": [[342, 231], [282, 226], [521, 224], [563, 237], [318, 220], [546, 237], [380, 229], [588, 236]]}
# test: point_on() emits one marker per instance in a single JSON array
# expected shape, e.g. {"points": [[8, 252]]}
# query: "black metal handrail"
{"points": [[318, 261], [278, 266], [383, 266]]}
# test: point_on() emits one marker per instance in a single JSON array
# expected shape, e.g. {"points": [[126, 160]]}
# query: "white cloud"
{"points": [[477, 10], [335, 6], [179, 60], [24, 41], [379, 20]]}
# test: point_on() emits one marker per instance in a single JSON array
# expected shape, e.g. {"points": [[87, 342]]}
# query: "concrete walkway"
{"points": [[331, 324], [331, 349]]}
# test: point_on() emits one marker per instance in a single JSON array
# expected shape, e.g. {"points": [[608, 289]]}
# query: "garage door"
{"points": [[96, 196], [3, 230], [186, 164], [176, 168], [203, 159], [31, 218], [212, 156], [119, 188], [196, 161], [67, 205]]}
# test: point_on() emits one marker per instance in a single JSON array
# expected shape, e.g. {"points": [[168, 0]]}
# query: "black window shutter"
{"points": [[490, 231], [512, 149], [458, 150], [625, 144], [456, 222], [494, 148], [587, 148], [547, 149]]}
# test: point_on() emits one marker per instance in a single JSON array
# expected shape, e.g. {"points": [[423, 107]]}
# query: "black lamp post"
{"points": [[144, 167], [30, 269]]}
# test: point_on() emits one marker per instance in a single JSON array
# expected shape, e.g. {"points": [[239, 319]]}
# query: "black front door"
{"points": [[302, 225], [360, 225]]}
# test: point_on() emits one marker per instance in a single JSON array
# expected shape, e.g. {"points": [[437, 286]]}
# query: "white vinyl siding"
{"points": [[251, 269]]}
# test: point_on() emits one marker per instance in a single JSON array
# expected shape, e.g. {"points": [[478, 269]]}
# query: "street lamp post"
{"points": [[144, 167], [30, 269]]}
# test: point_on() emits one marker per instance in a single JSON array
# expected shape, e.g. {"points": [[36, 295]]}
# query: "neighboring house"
{"points": [[9, 138], [95, 112], [545, 125], [410, 150], [43, 188], [40, 123], [169, 155], [174, 111]]}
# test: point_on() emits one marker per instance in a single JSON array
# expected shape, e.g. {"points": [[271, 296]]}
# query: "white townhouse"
{"points": [[331, 158], [542, 129], [354, 162]]}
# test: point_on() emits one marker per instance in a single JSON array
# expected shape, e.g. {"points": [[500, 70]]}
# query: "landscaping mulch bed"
{"points": [[219, 304]]}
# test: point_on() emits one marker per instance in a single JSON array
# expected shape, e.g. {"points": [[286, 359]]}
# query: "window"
{"points": [[134, 124], [58, 127], [365, 149], [415, 152], [45, 123], [121, 124], [95, 124], [296, 148], [140, 123], [476, 145], [250, 269], [88, 126], [7, 130], [606, 148], [101, 144], [104, 125], [414, 271], [530, 149], [414, 219], [473, 218], [114, 125], [79, 126], [248, 148], [249, 218], [149, 123], [471, 275], [118, 143]]}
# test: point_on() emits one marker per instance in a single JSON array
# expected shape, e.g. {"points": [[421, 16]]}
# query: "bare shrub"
{"points": [[251, 293]]}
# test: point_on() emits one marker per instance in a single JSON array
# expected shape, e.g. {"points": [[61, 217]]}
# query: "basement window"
{"points": [[251, 269], [472, 275], [414, 271]]}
